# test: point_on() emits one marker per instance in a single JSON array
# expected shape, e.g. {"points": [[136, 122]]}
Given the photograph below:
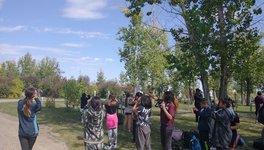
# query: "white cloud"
{"points": [[7, 49], [75, 45], [84, 9], [82, 34], [12, 29], [109, 59]]}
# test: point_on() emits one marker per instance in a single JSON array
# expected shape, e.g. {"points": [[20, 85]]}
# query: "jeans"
{"points": [[27, 143]]}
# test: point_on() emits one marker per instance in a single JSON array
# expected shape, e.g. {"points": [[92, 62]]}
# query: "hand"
{"points": [[163, 106]]}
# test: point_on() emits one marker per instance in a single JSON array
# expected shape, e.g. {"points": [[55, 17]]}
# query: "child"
{"points": [[111, 120], [235, 124], [221, 133], [204, 121], [143, 130]]}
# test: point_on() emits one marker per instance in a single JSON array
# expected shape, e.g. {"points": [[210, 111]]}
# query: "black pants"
{"points": [[204, 139], [27, 143], [165, 136], [134, 130]]}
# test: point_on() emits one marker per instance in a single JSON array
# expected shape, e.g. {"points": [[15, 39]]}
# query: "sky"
{"points": [[80, 34]]}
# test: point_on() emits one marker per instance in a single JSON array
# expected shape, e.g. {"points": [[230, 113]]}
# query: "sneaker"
{"points": [[114, 146]]}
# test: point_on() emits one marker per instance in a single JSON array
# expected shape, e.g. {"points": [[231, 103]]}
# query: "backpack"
{"points": [[187, 138], [195, 144], [260, 115]]}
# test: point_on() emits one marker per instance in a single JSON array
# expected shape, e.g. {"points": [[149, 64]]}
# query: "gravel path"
{"points": [[9, 136]]}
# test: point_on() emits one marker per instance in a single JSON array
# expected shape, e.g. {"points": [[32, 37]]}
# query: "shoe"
{"points": [[113, 146]]}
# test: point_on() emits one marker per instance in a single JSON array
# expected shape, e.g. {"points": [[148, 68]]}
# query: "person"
{"points": [[27, 109], [167, 113], [235, 124], [84, 100], [111, 120], [259, 101], [143, 131], [204, 123], [128, 111], [197, 100], [93, 116], [220, 133], [134, 116]]}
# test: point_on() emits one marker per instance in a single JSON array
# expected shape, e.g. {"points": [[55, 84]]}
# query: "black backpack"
{"points": [[187, 137]]}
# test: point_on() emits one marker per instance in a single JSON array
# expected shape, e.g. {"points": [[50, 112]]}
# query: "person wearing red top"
{"points": [[259, 101], [167, 113]]}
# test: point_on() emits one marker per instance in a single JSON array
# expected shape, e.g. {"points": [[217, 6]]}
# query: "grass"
{"points": [[65, 124]]}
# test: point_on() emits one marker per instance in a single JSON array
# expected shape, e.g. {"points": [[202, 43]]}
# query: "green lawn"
{"points": [[66, 123]]}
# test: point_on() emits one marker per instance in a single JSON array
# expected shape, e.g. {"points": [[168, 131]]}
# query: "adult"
{"points": [[27, 109], [167, 113], [259, 101], [197, 102], [93, 116], [111, 120], [84, 100]]}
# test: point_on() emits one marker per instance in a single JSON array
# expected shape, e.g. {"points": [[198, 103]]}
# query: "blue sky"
{"points": [[80, 34]]}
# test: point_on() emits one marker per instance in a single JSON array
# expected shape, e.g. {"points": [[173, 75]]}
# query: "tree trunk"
{"points": [[248, 91], [204, 80], [223, 54], [242, 92], [223, 82]]}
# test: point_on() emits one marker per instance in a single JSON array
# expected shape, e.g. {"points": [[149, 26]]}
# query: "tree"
{"points": [[72, 93], [226, 26], [27, 66], [48, 67], [100, 78], [9, 69], [16, 88], [144, 53]]}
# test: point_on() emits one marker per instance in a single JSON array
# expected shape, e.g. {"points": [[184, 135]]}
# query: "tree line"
{"points": [[47, 77], [215, 42]]}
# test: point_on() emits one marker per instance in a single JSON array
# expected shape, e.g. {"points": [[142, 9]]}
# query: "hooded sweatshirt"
{"points": [[28, 126]]}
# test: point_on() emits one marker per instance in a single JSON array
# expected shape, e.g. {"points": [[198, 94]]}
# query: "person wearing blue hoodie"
{"points": [[27, 109]]}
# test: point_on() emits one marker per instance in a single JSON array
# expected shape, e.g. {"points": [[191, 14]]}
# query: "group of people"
{"points": [[137, 120], [217, 125]]}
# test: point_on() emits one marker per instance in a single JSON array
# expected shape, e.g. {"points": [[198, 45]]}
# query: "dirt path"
{"points": [[9, 139]]}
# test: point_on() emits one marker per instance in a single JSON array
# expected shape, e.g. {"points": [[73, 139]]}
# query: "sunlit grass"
{"points": [[66, 125]]}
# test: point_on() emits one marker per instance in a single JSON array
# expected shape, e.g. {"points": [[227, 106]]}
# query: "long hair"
{"points": [[96, 103], [168, 96], [146, 101], [29, 93], [176, 103]]}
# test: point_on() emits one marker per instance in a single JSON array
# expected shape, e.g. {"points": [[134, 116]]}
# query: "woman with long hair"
{"points": [[27, 109], [93, 116], [167, 113], [111, 120]]}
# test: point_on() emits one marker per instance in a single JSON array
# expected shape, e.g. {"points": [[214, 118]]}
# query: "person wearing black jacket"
{"points": [[197, 100], [204, 123]]}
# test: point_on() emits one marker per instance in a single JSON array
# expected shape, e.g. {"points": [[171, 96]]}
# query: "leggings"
{"points": [[27, 143], [112, 139]]}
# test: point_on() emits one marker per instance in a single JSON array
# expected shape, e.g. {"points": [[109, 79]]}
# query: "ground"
{"points": [[9, 136]]}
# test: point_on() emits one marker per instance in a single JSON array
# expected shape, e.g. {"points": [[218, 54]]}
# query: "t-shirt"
{"points": [[163, 118], [111, 109], [258, 100], [143, 118]]}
